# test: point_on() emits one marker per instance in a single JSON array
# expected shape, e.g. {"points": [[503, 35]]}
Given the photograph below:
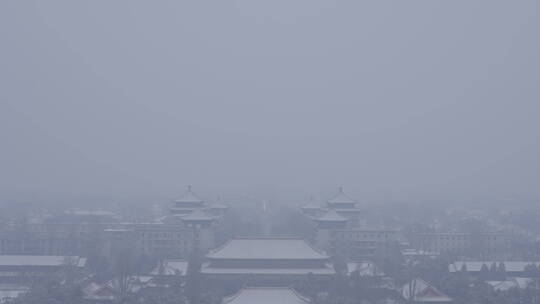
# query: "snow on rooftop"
{"points": [[364, 269], [341, 198], [41, 260], [510, 283], [474, 266], [424, 292], [266, 295], [266, 248], [171, 267], [326, 270]]}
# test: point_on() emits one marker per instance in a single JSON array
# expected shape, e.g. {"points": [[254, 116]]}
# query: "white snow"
{"points": [[171, 267], [41, 260], [266, 295], [267, 248]]}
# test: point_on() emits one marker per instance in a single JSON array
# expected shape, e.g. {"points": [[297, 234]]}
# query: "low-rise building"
{"points": [[492, 245], [267, 258]]}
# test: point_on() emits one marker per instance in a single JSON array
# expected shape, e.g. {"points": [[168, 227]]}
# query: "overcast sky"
{"points": [[402, 100]]}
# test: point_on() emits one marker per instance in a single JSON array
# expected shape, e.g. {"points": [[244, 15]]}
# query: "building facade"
{"points": [[190, 222], [459, 244]]}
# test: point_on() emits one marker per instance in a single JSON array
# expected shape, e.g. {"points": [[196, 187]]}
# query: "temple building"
{"points": [[190, 223], [261, 258], [341, 228], [187, 203], [266, 295]]}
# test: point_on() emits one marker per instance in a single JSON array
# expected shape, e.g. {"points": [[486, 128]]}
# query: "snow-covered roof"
{"points": [[341, 198], [98, 292], [331, 216], [326, 270], [474, 266], [41, 260], [189, 197], [267, 248], [171, 267], [364, 269], [424, 292], [510, 283], [266, 295]]}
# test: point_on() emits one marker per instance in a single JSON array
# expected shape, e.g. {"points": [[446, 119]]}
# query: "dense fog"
{"points": [[269, 152], [395, 100]]}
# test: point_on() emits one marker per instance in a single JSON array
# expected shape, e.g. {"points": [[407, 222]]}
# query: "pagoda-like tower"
{"points": [[187, 203]]}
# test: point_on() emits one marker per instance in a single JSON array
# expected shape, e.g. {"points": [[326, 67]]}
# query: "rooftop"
{"points": [[322, 271], [266, 295], [512, 266], [341, 198], [424, 292], [189, 197], [41, 260], [171, 267], [267, 248]]}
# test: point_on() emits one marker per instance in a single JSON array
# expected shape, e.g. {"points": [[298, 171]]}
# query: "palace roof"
{"points": [[41, 260], [270, 248], [325, 270], [189, 197], [341, 198], [266, 295]]}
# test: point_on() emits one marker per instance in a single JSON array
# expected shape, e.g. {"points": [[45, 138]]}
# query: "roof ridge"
{"points": [[278, 237], [234, 296]]}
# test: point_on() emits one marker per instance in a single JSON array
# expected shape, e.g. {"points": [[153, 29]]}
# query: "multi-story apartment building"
{"points": [[483, 245]]}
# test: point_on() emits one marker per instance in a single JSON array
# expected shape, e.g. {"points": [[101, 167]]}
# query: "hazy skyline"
{"points": [[397, 99]]}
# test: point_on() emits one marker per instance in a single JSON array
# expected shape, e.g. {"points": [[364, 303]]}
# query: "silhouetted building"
{"points": [[342, 229], [267, 258]]}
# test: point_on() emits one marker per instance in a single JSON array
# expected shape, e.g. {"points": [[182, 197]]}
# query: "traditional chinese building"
{"points": [[266, 295], [277, 258], [341, 228]]}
